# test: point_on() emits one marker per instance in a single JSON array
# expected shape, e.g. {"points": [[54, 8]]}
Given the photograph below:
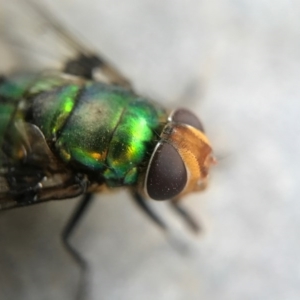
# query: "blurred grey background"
{"points": [[236, 63]]}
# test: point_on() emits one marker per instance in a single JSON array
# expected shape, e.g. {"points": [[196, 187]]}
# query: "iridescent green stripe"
{"points": [[91, 125], [131, 140]]}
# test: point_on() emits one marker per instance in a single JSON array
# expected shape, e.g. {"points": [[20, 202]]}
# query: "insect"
{"points": [[66, 134]]}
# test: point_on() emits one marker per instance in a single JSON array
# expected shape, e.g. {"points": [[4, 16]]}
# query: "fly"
{"points": [[67, 134]]}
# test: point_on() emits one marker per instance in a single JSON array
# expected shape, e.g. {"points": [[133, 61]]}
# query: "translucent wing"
{"points": [[29, 172], [39, 40]]}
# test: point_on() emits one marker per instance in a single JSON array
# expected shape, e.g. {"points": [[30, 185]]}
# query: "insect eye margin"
{"points": [[166, 174], [185, 116]]}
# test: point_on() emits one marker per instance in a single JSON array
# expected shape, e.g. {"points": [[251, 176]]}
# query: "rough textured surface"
{"points": [[237, 65]]}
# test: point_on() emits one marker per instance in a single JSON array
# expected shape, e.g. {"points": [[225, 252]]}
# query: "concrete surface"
{"points": [[235, 63]]}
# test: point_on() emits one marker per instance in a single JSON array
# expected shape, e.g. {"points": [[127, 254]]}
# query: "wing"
{"points": [[77, 58], [29, 172]]}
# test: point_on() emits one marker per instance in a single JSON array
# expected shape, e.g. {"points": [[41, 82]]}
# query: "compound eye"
{"points": [[167, 174], [186, 117]]}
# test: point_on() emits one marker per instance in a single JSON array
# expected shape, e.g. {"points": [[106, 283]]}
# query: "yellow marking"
{"points": [[96, 155], [65, 154]]}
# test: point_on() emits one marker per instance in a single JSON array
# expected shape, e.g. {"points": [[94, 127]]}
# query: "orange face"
{"points": [[196, 153], [181, 160]]}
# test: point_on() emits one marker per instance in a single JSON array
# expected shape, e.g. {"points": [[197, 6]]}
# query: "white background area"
{"points": [[236, 64]]}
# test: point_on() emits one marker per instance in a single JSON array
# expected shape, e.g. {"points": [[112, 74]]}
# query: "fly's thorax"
{"points": [[98, 128], [181, 160]]}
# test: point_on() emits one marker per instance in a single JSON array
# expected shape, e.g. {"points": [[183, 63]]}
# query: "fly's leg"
{"points": [[66, 235], [174, 240], [142, 203], [185, 215]]}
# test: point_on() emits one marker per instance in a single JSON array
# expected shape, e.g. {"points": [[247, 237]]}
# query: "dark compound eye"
{"points": [[167, 174], [186, 117]]}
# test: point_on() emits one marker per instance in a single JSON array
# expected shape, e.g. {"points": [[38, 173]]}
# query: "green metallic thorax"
{"points": [[103, 129]]}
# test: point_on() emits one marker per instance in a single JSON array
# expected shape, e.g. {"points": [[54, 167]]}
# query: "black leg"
{"points": [[175, 241], [189, 220], [67, 233], [142, 203]]}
